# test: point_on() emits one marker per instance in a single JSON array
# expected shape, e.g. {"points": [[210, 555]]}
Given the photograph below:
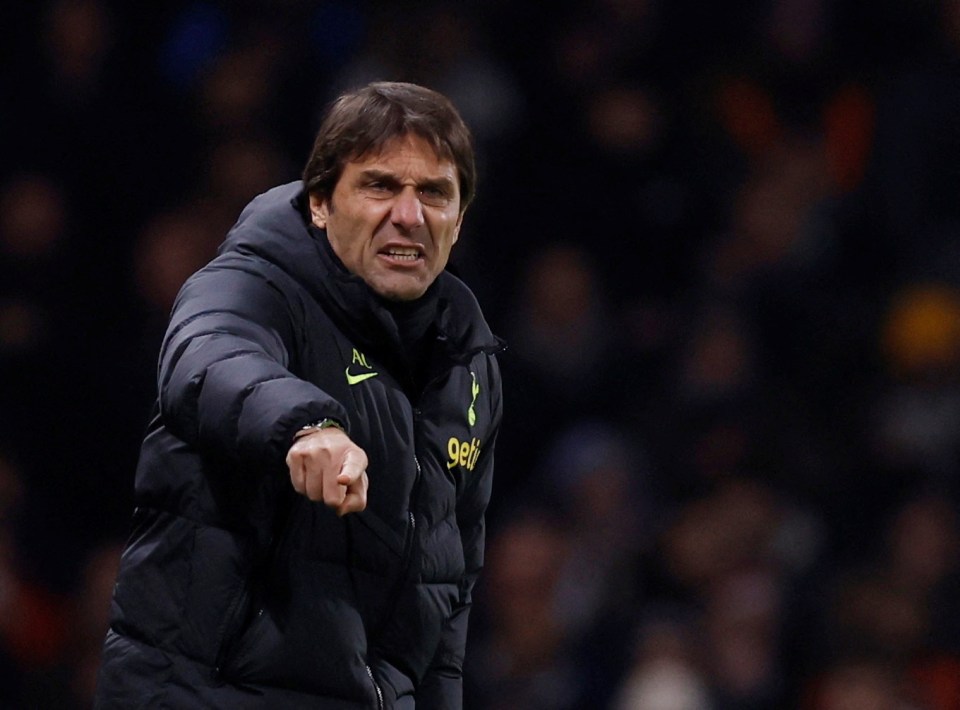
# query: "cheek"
{"points": [[352, 232], [345, 244], [450, 229]]}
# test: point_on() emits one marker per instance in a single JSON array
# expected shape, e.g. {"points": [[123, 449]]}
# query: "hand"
{"points": [[327, 466]]}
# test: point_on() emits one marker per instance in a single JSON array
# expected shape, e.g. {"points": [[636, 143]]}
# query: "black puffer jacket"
{"points": [[234, 591]]}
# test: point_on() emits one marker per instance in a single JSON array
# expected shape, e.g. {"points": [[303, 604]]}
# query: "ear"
{"points": [[456, 228], [319, 210]]}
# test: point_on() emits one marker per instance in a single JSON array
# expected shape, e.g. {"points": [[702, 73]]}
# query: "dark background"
{"points": [[721, 240]]}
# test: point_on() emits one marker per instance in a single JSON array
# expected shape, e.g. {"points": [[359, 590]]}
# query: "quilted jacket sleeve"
{"points": [[224, 376], [442, 688]]}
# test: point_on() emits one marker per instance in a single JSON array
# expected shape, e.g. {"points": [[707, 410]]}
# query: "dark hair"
{"points": [[365, 120]]}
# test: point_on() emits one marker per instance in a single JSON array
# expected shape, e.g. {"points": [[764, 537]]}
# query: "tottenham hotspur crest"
{"points": [[471, 410]]}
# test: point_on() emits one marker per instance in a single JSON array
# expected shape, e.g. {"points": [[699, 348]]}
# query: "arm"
{"points": [[224, 381], [442, 687]]}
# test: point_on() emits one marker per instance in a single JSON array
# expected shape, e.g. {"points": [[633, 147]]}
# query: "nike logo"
{"points": [[357, 379]]}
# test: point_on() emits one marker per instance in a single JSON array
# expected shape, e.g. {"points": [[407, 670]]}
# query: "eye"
{"points": [[435, 195], [378, 188]]}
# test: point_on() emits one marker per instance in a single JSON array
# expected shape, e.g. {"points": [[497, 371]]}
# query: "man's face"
{"points": [[393, 217]]}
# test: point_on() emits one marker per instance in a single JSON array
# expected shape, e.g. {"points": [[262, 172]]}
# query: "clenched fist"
{"points": [[327, 466]]}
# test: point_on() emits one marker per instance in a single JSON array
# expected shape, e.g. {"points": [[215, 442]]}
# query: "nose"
{"points": [[407, 212]]}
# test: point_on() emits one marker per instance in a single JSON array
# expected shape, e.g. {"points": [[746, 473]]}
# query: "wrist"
{"points": [[325, 423]]}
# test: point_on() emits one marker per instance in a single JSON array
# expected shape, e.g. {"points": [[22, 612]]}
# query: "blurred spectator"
{"points": [[911, 188], [898, 608], [559, 327], [743, 623], [78, 35], [561, 356], [720, 534], [44, 349], [916, 414], [33, 221], [599, 481], [34, 270], [237, 171], [11, 663], [522, 660], [860, 685], [666, 673], [69, 681], [236, 91], [92, 619], [34, 621], [171, 246]]}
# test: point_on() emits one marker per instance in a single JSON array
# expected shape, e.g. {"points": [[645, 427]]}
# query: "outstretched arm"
{"points": [[225, 378]]}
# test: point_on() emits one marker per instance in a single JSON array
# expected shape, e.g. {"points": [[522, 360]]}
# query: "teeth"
{"points": [[410, 254]]}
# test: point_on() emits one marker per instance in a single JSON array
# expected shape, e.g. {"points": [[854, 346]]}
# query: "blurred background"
{"points": [[721, 240]]}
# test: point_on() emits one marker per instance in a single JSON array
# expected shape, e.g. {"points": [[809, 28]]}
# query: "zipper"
{"points": [[412, 537], [376, 686], [414, 494], [408, 552], [407, 558]]}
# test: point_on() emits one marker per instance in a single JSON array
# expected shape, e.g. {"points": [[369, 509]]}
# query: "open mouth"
{"points": [[410, 254]]}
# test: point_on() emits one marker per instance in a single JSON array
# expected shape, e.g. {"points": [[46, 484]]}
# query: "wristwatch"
{"points": [[326, 423]]}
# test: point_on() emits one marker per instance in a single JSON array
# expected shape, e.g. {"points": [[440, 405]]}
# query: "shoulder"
{"points": [[273, 227]]}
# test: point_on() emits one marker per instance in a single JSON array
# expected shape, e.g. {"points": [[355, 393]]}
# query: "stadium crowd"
{"points": [[722, 241]]}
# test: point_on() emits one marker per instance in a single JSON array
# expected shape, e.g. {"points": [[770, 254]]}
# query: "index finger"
{"points": [[356, 498], [352, 468]]}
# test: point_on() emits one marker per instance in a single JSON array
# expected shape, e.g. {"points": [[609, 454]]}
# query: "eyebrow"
{"points": [[443, 183]]}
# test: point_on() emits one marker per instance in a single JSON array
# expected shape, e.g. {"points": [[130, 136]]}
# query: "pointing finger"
{"points": [[353, 467], [333, 491], [356, 497]]}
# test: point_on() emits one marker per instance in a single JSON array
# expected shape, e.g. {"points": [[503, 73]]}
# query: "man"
{"points": [[311, 490]]}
